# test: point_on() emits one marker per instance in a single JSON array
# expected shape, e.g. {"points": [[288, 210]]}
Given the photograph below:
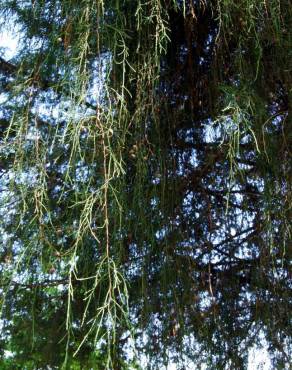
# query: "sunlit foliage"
{"points": [[145, 183]]}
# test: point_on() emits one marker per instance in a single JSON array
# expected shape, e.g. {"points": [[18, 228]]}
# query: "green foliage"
{"points": [[145, 183]]}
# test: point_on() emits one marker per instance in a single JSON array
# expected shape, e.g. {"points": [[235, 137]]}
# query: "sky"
{"points": [[9, 43], [258, 358]]}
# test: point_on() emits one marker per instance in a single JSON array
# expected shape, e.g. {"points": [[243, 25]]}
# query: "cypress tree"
{"points": [[145, 183]]}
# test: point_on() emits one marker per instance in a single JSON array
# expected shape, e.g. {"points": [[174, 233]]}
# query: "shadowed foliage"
{"points": [[145, 184]]}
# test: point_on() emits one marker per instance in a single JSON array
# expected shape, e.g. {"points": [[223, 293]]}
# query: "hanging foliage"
{"points": [[145, 183]]}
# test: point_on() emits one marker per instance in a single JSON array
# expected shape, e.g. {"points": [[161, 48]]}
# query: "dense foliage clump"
{"points": [[145, 183]]}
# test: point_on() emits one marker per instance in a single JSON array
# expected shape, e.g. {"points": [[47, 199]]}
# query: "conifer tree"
{"points": [[145, 183]]}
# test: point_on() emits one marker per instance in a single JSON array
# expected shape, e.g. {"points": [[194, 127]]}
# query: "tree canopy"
{"points": [[145, 183]]}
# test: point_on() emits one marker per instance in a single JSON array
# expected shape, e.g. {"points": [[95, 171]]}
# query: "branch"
{"points": [[6, 67], [43, 284]]}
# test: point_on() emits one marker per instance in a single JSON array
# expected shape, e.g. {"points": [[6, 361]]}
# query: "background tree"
{"points": [[145, 183]]}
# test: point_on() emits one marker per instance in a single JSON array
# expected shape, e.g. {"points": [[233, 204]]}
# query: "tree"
{"points": [[145, 183]]}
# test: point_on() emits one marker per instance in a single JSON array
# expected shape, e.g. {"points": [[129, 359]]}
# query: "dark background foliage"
{"points": [[145, 184]]}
